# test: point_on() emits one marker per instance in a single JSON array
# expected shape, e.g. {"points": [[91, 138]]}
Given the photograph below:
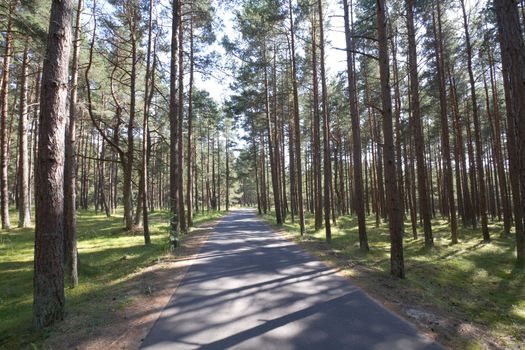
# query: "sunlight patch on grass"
{"points": [[108, 256], [474, 279]]}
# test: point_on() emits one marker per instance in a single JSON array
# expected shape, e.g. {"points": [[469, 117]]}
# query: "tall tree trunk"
{"points": [[70, 168], [48, 278], [424, 207], [148, 93], [513, 63], [272, 145], [227, 146], [189, 184], [318, 197], [326, 130], [477, 131], [24, 212], [4, 136], [507, 209], [460, 156], [218, 172], [395, 223], [359, 202], [447, 171], [297, 129], [398, 127], [175, 171], [182, 212], [130, 153], [256, 167]]}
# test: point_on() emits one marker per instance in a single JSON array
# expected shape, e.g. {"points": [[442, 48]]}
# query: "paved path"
{"points": [[251, 289]]}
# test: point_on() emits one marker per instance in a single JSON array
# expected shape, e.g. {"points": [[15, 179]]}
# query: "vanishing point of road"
{"points": [[251, 289]]}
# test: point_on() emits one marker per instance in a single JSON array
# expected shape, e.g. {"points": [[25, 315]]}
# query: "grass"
{"points": [[108, 256], [471, 281]]}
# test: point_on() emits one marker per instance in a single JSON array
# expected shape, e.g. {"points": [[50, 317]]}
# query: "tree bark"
{"points": [[477, 133], [148, 93], [424, 207], [48, 278], [395, 223], [507, 208], [4, 136], [513, 63], [297, 129], [359, 202], [182, 212], [318, 197], [70, 169], [189, 184], [24, 212], [445, 140], [271, 146], [174, 123], [326, 130]]}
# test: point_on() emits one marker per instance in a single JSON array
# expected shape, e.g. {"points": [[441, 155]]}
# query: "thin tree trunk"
{"points": [[272, 146], [70, 169], [316, 148], [24, 212], [182, 212], [395, 224], [447, 171], [297, 137], [507, 209], [326, 130], [189, 184], [256, 166], [477, 133], [424, 207], [174, 123], [359, 202], [4, 136], [460, 156], [148, 93]]}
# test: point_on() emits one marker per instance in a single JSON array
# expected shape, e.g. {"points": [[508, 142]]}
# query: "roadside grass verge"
{"points": [[108, 256], [469, 283]]}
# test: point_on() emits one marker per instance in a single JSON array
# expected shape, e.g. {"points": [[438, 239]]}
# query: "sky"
{"points": [[335, 59], [218, 85]]}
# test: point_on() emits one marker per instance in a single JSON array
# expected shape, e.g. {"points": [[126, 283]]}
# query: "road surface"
{"points": [[251, 289]]}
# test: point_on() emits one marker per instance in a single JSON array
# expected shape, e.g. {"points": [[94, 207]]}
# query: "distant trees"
{"points": [[444, 148]]}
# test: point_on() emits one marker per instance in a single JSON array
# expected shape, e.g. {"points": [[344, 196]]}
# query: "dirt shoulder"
{"points": [[135, 305]]}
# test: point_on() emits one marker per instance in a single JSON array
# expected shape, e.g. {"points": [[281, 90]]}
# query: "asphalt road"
{"points": [[251, 289]]}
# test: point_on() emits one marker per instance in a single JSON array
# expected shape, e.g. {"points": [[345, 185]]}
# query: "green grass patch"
{"points": [[473, 280], [108, 256]]}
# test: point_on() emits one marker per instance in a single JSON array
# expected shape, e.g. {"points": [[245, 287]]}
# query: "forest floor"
{"points": [[466, 296], [123, 283]]}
